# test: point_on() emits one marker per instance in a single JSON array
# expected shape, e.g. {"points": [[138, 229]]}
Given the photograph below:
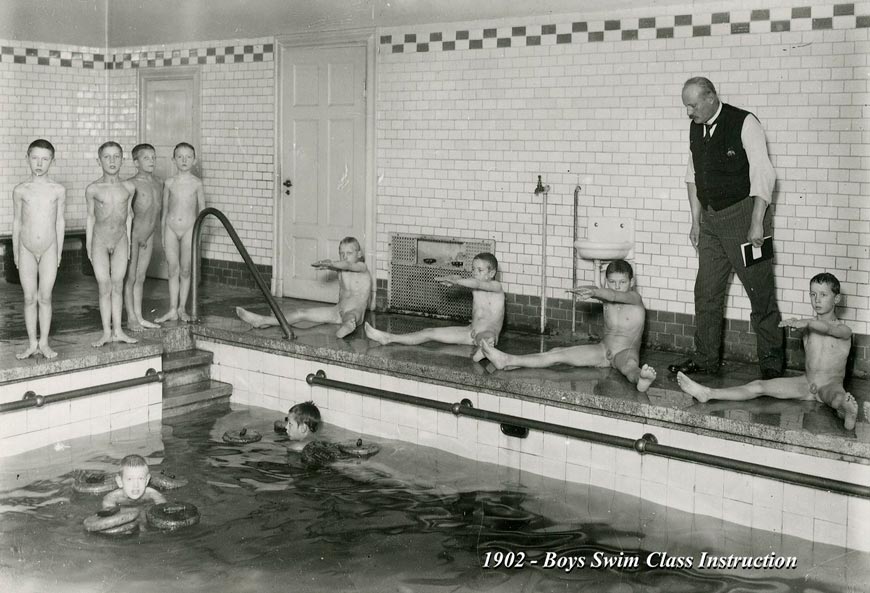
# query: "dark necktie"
{"points": [[708, 131]]}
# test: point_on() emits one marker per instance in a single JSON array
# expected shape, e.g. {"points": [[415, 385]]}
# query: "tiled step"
{"points": [[186, 367], [193, 396]]}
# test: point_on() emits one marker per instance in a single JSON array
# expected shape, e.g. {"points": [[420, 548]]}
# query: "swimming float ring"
{"points": [[166, 481], [281, 425], [242, 437], [359, 449], [170, 516], [113, 521], [94, 482]]}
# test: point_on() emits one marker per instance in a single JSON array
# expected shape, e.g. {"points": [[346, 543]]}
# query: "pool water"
{"points": [[411, 518]]}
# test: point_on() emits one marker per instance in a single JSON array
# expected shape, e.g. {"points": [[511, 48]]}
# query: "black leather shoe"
{"points": [[690, 367], [768, 374]]}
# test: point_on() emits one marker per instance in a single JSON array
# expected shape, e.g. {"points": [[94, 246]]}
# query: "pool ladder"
{"points": [[261, 284]]}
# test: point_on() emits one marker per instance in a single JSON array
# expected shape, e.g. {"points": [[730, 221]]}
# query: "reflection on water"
{"points": [[409, 519]]}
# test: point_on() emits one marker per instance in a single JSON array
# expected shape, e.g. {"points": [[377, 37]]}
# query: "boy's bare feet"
{"points": [[120, 336], [346, 328], [30, 351], [104, 339], [46, 350], [849, 411], [696, 390], [494, 355], [147, 324], [134, 326], [376, 335], [478, 355], [251, 319], [647, 376], [171, 315]]}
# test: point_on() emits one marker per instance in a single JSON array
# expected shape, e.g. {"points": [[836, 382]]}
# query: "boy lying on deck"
{"points": [[827, 342], [624, 316], [487, 312]]}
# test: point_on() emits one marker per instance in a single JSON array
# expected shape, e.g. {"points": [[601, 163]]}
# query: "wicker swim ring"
{"points": [[113, 521], [167, 481], [281, 426], [242, 437], [358, 448], [94, 482], [170, 516]]}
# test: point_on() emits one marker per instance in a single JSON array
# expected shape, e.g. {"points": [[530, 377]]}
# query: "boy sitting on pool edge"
{"points": [[624, 316], [487, 312], [132, 480], [354, 292], [827, 342]]}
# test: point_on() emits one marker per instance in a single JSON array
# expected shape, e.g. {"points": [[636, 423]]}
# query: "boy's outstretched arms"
{"points": [[340, 266], [819, 326], [470, 283], [607, 295]]}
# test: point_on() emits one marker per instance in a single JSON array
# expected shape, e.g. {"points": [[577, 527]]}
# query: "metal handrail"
{"points": [[261, 284], [32, 400], [646, 444]]}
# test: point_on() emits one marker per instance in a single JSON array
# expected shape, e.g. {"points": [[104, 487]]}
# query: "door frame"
{"points": [[361, 38]]}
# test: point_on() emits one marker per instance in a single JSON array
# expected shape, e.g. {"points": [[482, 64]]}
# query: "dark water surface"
{"points": [[409, 519]]}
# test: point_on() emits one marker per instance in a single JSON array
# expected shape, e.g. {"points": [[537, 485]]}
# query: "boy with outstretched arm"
{"points": [[827, 342], [37, 243], [146, 215], [107, 233], [487, 312], [624, 316], [183, 200], [354, 292]]}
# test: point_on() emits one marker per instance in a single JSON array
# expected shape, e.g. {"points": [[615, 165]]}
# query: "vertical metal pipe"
{"points": [[544, 260], [574, 260]]}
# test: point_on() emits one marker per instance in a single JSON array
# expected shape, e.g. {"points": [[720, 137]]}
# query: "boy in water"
{"points": [[303, 420], [487, 312], [132, 480], [827, 342], [183, 199], [624, 316], [354, 292], [146, 214], [37, 242], [107, 235]]}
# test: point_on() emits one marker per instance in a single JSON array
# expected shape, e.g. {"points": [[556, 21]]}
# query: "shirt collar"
{"points": [[712, 120]]}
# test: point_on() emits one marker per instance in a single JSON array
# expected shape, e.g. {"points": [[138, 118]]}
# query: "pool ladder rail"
{"points": [[195, 264], [647, 444]]}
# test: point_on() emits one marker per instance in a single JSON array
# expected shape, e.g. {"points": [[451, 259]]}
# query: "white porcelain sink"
{"points": [[600, 250]]}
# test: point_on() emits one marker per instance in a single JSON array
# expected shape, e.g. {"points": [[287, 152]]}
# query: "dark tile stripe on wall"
{"points": [[837, 16]]}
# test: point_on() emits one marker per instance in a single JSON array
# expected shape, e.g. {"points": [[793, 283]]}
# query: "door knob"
{"points": [[287, 183]]}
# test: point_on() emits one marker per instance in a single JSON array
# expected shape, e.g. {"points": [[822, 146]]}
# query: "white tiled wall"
{"points": [[31, 428], [462, 136], [277, 382], [65, 105]]}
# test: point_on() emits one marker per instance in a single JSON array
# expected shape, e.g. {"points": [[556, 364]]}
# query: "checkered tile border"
{"points": [[807, 18], [228, 54]]}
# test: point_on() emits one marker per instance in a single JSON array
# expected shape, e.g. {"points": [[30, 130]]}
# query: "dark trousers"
{"points": [[719, 253]]}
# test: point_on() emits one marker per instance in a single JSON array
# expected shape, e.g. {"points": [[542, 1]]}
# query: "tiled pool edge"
{"points": [[276, 381]]}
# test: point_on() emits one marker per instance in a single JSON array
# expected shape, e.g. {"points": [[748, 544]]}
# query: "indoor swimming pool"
{"points": [[411, 518]]}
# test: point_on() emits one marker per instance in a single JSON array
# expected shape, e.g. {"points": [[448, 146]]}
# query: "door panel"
{"points": [[323, 148]]}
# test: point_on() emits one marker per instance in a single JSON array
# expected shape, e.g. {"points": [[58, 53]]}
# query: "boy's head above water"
{"points": [[133, 476], [824, 293], [303, 420], [619, 275], [484, 266], [145, 157], [349, 250]]}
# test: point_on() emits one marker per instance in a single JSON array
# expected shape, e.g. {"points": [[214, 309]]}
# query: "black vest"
{"points": [[721, 165]]}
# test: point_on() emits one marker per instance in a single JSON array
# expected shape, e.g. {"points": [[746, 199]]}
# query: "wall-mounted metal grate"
{"points": [[415, 262]]}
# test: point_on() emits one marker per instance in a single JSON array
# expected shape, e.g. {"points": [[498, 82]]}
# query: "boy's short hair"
{"points": [[619, 266], [353, 241], [183, 145], [106, 145], [139, 148], [827, 278], [489, 259], [132, 462], [306, 413], [41, 143]]}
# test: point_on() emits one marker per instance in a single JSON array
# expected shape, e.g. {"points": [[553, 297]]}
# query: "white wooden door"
{"points": [[169, 103], [323, 157]]}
